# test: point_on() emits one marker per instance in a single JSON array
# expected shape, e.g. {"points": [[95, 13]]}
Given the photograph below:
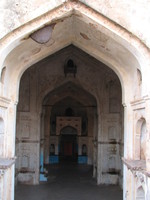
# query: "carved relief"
{"points": [[62, 122], [68, 130]]}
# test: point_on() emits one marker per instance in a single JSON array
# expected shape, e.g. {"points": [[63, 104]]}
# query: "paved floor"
{"points": [[68, 182]]}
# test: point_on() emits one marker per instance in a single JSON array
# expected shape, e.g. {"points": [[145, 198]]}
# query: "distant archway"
{"points": [[68, 144]]}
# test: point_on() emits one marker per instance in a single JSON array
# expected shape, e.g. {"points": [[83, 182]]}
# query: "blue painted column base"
{"points": [[53, 159], [42, 177], [82, 159]]}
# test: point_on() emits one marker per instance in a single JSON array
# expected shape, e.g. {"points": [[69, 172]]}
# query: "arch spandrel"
{"points": [[80, 14]]}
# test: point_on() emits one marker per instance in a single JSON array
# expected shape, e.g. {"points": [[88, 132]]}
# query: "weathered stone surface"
{"points": [[117, 36], [125, 13], [42, 35]]}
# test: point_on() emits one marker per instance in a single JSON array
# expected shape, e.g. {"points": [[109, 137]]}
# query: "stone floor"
{"points": [[68, 182]]}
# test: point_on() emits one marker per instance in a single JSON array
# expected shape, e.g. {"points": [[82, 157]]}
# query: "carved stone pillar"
{"points": [[148, 135], [128, 150], [148, 189], [47, 135]]}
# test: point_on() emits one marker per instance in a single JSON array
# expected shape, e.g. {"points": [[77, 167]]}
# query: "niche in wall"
{"points": [[140, 195], [140, 139], [1, 126], [143, 141]]}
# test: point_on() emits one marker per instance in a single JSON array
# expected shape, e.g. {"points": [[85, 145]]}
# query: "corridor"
{"points": [[68, 181]]}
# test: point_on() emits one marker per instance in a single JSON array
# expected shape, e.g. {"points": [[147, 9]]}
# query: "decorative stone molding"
{"points": [[74, 122], [138, 104], [141, 177], [133, 165], [4, 102], [5, 163], [137, 167]]}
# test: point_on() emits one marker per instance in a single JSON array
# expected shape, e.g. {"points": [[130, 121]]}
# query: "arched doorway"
{"points": [[118, 63], [74, 102], [66, 107], [68, 144]]}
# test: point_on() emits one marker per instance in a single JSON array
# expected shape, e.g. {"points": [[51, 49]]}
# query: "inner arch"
{"points": [[94, 96]]}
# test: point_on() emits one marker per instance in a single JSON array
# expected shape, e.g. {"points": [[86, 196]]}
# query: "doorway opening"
{"points": [[69, 118], [68, 144]]}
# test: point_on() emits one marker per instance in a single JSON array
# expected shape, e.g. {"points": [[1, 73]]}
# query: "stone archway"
{"points": [[15, 66], [83, 107], [91, 107]]}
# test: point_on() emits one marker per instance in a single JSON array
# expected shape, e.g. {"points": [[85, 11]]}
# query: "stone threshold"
{"points": [[136, 165]]}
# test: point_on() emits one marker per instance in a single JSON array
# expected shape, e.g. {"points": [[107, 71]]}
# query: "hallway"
{"points": [[68, 181]]}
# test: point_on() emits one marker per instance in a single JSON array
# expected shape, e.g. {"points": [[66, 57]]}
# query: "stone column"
{"points": [[95, 136], [42, 140], [99, 150], [148, 146], [47, 135], [10, 126], [79, 146], [148, 189], [128, 151], [148, 135]]}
